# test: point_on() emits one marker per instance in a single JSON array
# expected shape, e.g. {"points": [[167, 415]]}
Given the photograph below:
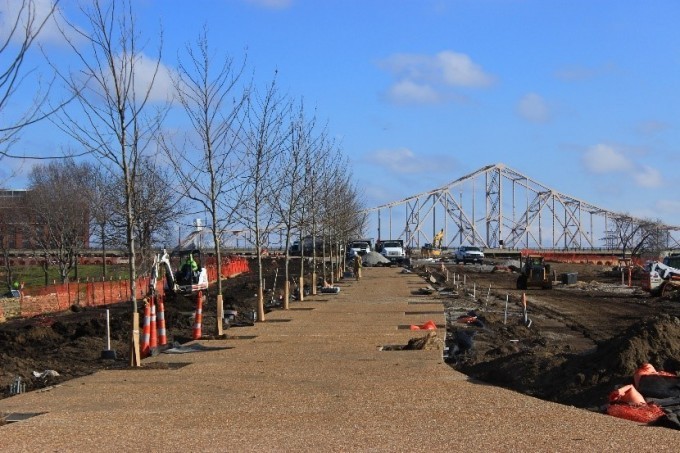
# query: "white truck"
{"points": [[358, 247], [392, 249], [469, 254]]}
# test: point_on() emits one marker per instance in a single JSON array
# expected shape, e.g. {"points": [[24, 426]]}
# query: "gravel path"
{"points": [[313, 378]]}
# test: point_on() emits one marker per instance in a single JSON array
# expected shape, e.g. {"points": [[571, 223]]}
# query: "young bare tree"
{"points": [[208, 89], [265, 138], [290, 173], [58, 209], [23, 25], [115, 120]]}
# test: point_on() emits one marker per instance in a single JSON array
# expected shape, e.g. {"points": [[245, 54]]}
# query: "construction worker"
{"points": [[357, 266], [189, 268]]}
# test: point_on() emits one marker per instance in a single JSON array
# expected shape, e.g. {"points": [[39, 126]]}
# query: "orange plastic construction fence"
{"points": [[60, 297]]}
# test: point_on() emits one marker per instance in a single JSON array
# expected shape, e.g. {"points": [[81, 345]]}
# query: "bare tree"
{"points": [[638, 235], [114, 120], [214, 103], [58, 208], [22, 30], [290, 173], [102, 213], [265, 138], [157, 206]]}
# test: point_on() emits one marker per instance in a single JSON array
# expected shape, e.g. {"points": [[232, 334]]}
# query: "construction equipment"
{"points": [[535, 273], [438, 238], [663, 278], [190, 276], [430, 251], [433, 250]]}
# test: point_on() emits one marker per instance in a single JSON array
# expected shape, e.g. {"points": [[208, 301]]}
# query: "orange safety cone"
{"points": [[153, 334], [160, 320], [146, 332], [198, 317]]}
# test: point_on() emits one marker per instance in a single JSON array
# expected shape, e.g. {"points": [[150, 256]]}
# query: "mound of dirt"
{"points": [[582, 380]]}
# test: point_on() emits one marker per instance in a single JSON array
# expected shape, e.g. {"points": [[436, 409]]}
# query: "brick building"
{"points": [[17, 226]]}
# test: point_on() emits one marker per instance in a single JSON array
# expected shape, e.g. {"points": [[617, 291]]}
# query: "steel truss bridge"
{"points": [[497, 207]]}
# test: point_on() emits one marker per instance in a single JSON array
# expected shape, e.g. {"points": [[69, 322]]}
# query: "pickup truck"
{"points": [[469, 254]]}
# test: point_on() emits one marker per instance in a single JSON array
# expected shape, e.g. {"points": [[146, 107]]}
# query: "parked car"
{"points": [[469, 254]]}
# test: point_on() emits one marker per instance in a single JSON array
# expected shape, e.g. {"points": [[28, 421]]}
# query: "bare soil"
{"points": [[578, 343], [71, 343], [584, 340]]}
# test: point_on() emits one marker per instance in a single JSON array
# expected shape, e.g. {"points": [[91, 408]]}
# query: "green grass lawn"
{"points": [[33, 276]]}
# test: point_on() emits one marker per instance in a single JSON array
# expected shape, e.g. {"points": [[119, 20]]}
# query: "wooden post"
{"points": [[135, 353], [314, 283], [260, 305], [302, 288], [220, 316], [286, 295]]}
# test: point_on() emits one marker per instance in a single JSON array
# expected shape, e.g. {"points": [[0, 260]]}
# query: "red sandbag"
{"points": [[642, 413], [626, 394], [466, 319], [646, 370], [429, 325]]}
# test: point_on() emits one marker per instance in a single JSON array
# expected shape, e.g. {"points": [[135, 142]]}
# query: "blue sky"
{"points": [[580, 95]]}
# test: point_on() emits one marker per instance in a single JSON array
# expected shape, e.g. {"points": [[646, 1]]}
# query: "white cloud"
{"points": [[602, 159], [145, 67], [459, 70], [652, 127], [163, 89], [648, 177], [402, 160], [38, 11], [271, 4], [668, 207], [575, 73], [432, 78], [533, 107], [408, 92], [605, 159]]}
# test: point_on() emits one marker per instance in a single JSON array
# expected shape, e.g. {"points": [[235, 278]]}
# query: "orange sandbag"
{"points": [[429, 325], [642, 413], [466, 319], [648, 369], [626, 394]]}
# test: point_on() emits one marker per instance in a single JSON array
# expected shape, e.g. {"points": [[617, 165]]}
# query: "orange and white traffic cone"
{"points": [[146, 330], [198, 317], [160, 320], [153, 333]]}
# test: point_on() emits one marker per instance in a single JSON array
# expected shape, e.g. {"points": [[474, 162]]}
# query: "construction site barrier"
{"points": [[153, 334], [602, 259], [162, 333], [146, 331], [60, 297], [198, 317]]}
